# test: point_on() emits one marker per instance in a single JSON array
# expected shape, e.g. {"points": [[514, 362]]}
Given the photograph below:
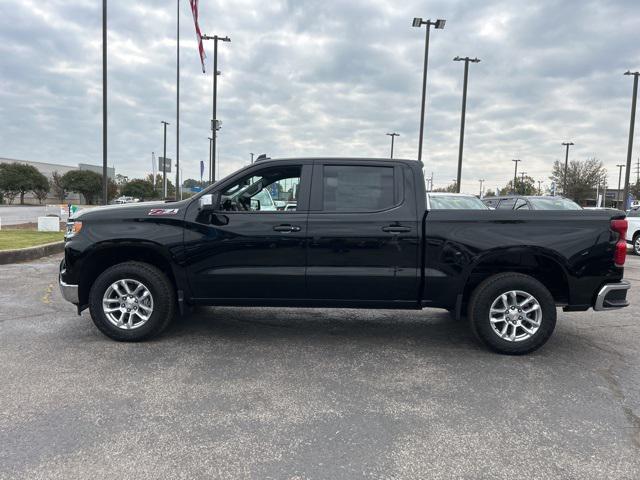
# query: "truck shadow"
{"points": [[431, 327]]}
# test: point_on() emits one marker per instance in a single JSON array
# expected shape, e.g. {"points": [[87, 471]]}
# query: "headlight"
{"points": [[73, 228]]}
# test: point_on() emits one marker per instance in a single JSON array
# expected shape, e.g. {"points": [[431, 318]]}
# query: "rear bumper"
{"points": [[612, 296]]}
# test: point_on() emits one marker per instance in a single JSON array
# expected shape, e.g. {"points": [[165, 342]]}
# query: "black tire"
{"points": [[162, 291], [492, 288], [636, 243]]}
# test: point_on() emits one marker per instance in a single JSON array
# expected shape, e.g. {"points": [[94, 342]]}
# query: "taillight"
{"points": [[620, 253]]}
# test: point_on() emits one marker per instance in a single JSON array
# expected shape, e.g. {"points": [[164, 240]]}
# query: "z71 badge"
{"points": [[163, 211]]}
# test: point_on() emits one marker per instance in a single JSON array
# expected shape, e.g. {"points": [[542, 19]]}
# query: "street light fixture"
{"points": [[392, 135], [466, 61], [631, 127], [566, 166], [438, 24], [214, 121]]}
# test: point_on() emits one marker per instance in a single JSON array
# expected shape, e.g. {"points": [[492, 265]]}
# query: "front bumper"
{"points": [[612, 296], [69, 292]]}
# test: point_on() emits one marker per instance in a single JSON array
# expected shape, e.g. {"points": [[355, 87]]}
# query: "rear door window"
{"points": [[350, 188], [521, 204]]}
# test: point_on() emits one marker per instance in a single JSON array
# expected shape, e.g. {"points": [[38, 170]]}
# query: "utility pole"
{"points": [[438, 24], [539, 187], [214, 119], [251, 156], [164, 161], [631, 127], [566, 166], [481, 182], [177, 98], [515, 174], [105, 188], [392, 135], [210, 150], [619, 181], [522, 174], [466, 61]]}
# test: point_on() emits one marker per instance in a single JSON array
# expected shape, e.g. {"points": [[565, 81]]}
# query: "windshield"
{"points": [[554, 203], [456, 202]]}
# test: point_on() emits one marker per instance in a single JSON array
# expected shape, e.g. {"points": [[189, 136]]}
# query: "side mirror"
{"points": [[255, 204], [209, 202]]}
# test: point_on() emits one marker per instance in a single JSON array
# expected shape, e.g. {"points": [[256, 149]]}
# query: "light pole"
{"points": [[210, 150], [214, 120], [164, 161], [251, 156], [392, 135], [539, 187], [466, 61], [566, 166], [104, 104], [631, 127], [439, 24], [522, 174], [619, 181], [481, 182], [515, 174]]}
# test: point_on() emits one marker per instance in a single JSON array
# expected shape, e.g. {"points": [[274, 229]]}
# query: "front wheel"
{"points": [[636, 244], [132, 301], [512, 313]]}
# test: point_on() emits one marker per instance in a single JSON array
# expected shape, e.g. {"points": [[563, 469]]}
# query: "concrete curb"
{"points": [[30, 253]]}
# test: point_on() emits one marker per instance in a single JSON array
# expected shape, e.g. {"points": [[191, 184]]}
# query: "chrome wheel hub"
{"points": [[127, 304], [515, 316]]}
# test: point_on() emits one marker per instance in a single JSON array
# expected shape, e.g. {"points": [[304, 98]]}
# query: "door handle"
{"points": [[396, 229], [286, 228]]}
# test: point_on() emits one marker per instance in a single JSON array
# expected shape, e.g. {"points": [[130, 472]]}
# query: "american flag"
{"points": [[194, 11]]}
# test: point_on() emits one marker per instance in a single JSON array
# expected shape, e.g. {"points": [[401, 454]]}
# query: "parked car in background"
{"points": [[633, 231], [525, 202], [454, 201], [124, 199]]}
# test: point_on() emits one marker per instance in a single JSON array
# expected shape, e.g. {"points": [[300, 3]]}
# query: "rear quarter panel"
{"points": [[457, 241]]}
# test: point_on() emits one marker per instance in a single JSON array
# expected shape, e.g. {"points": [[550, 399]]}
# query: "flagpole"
{"points": [[177, 97]]}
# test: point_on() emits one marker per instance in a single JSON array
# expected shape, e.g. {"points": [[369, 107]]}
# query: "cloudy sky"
{"points": [[322, 77]]}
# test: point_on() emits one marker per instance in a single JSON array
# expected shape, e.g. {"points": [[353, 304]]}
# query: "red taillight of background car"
{"points": [[620, 252]]}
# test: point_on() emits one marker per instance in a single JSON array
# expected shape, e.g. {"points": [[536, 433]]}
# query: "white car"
{"points": [[633, 232], [454, 201]]}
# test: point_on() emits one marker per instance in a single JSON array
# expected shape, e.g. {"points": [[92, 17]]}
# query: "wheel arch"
{"points": [[541, 264], [107, 254]]}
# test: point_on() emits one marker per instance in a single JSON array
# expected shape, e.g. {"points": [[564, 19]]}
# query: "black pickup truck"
{"points": [[353, 233]]}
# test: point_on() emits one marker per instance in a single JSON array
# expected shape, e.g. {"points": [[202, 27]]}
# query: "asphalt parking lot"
{"points": [[300, 393]]}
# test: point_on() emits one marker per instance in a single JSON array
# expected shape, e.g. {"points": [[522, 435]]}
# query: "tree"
{"points": [[85, 182], [582, 178], [451, 188], [190, 183], [523, 187], [7, 183], [41, 188], [18, 179], [489, 193], [138, 188], [55, 184], [171, 190]]}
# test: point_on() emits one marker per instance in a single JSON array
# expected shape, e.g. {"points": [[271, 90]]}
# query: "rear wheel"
{"points": [[512, 313], [132, 301]]}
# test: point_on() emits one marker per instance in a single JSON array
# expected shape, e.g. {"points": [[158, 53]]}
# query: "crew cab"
{"points": [[359, 235]]}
